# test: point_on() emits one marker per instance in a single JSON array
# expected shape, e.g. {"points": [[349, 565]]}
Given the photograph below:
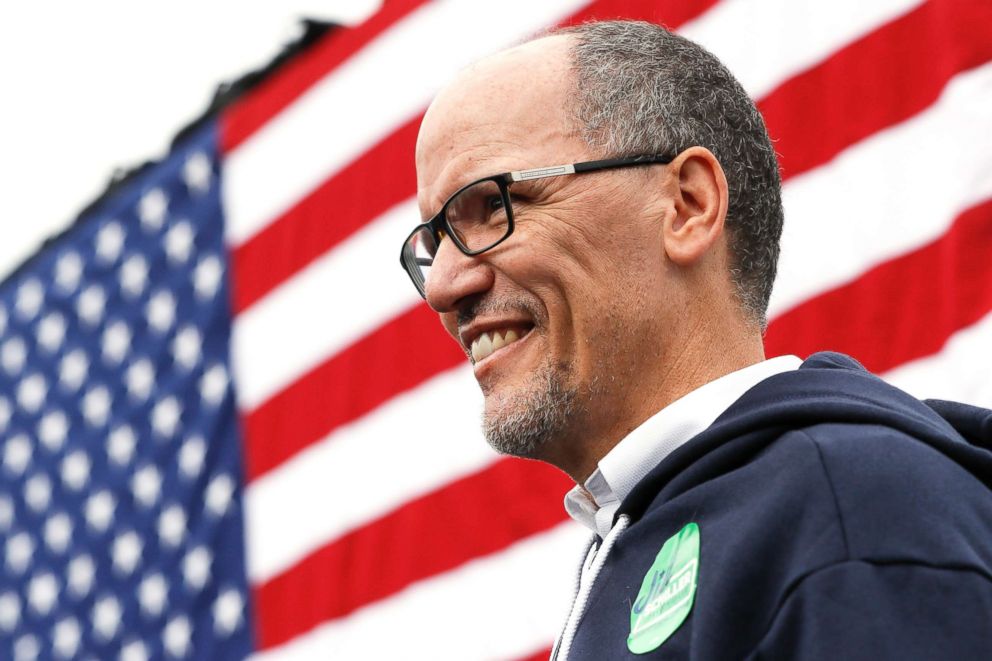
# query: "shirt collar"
{"points": [[595, 503]]}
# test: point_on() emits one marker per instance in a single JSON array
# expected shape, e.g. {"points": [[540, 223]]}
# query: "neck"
{"points": [[710, 350]]}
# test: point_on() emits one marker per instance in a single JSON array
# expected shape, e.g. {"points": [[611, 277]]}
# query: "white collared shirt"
{"points": [[595, 503]]}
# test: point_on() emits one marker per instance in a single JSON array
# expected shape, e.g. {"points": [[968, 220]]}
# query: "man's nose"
{"points": [[455, 276]]}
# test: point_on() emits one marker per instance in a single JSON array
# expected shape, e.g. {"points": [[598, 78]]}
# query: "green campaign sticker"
{"points": [[667, 592]]}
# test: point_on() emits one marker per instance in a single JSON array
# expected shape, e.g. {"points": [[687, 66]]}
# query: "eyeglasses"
{"points": [[479, 216]]}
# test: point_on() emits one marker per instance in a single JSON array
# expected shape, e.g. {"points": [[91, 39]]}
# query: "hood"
{"points": [[973, 423], [827, 388]]}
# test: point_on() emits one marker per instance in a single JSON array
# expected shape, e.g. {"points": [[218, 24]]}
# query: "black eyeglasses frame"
{"points": [[439, 222]]}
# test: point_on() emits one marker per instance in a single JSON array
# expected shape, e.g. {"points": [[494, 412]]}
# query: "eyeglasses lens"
{"points": [[477, 216], [418, 255]]}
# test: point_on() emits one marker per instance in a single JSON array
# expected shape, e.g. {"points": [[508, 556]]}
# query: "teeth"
{"points": [[484, 346], [487, 343]]}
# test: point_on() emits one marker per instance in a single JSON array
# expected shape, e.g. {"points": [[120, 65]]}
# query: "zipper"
{"points": [[584, 588]]}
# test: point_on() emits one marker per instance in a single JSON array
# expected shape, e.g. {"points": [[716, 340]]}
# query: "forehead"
{"points": [[507, 112]]}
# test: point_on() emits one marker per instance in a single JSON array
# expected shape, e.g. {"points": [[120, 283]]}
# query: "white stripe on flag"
{"points": [[502, 606], [959, 371], [409, 450], [889, 194], [345, 294], [378, 89], [763, 42]]}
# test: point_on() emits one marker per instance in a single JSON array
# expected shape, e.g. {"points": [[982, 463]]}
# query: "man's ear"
{"points": [[701, 201]]}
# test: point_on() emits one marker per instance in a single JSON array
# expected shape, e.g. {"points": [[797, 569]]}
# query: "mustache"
{"points": [[495, 306]]}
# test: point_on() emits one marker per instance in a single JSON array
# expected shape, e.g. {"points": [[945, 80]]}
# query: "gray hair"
{"points": [[644, 90]]}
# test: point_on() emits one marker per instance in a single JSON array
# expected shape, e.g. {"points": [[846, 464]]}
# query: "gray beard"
{"points": [[524, 423]]}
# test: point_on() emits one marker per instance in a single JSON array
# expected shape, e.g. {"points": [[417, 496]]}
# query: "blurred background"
{"points": [[229, 427], [95, 88]]}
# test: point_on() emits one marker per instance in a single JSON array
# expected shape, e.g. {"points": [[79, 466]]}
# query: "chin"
{"points": [[527, 420]]}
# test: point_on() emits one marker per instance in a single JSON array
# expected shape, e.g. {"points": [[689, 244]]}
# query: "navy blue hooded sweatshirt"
{"points": [[838, 517]]}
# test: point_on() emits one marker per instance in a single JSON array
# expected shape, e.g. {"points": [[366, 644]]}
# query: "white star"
{"points": [[152, 594], [81, 573], [10, 611], [196, 567], [179, 242], [68, 271], [161, 311], [76, 470], [109, 242], [13, 353], [176, 636], [140, 378], [17, 454], [165, 416], [20, 548], [191, 456], [213, 384], [53, 429], [134, 275], [58, 532], [100, 510], [126, 552], [96, 405], [227, 611], [30, 297], [134, 651], [90, 304], [116, 342], [172, 525], [6, 513], [73, 369], [66, 635], [147, 485], [38, 492], [31, 392], [186, 347], [207, 277], [5, 413], [219, 493], [197, 172], [152, 209], [51, 331], [43, 590], [27, 648], [106, 617], [120, 445]]}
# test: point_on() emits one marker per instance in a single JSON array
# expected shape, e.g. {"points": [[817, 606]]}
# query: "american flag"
{"points": [[325, 493]]}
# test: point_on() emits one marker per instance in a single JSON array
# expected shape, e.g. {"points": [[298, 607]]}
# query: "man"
{"points": [[604, 213]]}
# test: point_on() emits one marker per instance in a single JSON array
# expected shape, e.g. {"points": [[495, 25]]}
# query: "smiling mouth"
{"points": [[492, 341]]}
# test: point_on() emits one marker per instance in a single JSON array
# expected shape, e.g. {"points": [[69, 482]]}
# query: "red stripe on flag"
{"points": [[267, 100], [543, 655], [347, 386], [380, 559], [875, 82], [670, 14], [903, 309]]}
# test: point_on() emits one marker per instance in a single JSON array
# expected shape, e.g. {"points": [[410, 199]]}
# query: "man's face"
{"points": [[571, 298]]}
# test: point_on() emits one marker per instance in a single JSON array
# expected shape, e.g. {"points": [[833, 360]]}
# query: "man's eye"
{"points": [[494, 203]]}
